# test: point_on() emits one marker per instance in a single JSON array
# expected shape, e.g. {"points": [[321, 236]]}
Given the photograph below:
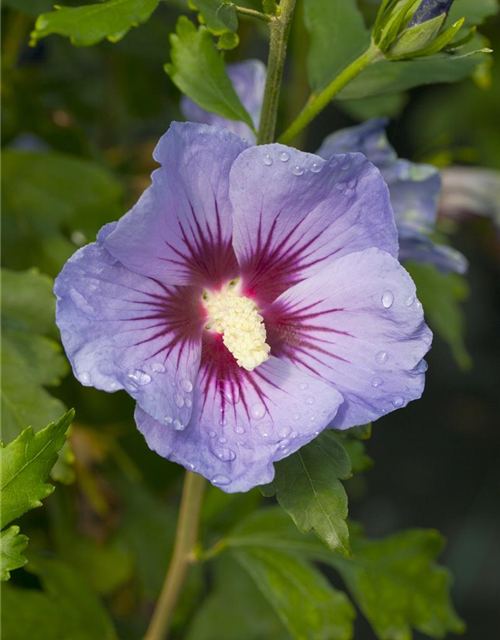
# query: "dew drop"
{"points": [[226, 455], [297, 171], [157, 367], [398, 401], [387, 299], [265, 429], [316, 167], [422, 366], [239, 430], [258, 411], [191, 466], [222, 422], [285, 452], [409, 301], [352, 183], [188, 402], [85, 377], [179, 400], [284, 157], [223, 440], [187, 386], [294, 435], [113, 386], [310, 400], [346, 165], [267, 160], [284, 444], [303, 386], [381, 357], [178, 425], [139, 378], [220, 480], [283, 433], [169, 419], [212, 434], [231, 395], [377, 382]]}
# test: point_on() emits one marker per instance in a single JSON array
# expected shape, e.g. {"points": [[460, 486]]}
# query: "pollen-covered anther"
{"points": [[242, 327]]}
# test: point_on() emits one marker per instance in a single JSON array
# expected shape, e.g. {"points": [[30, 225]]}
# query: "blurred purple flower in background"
{"points": [[414, 188], [249, 300]]}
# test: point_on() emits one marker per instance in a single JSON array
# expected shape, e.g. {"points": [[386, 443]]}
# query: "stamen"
{"points": [[242, 327]]}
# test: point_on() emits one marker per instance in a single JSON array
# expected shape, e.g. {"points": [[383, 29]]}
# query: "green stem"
{"points": [[316, 104], [183, 555], [280, 29], [252, 13]]}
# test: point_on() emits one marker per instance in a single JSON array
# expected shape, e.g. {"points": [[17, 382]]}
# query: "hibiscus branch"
{"points": [[252, 13], [317, 103], [280, 29], [183, 555]]}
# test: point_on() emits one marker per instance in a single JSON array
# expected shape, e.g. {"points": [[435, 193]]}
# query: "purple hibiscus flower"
{"points": [[250, 299], [429, 9], [414, 188]]}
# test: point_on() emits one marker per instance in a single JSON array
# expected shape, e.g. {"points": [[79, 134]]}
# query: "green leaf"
{"points": [[307, 485], [92, 23], [12, 545], [30, 360], [66, 608], [31, 7], [390, 76], [235, 603], [474, 11], [441, 295], [218, 15], [198, 70], [301, 596], [45, 198], [397, 585], [337, 37], [25, 464]]}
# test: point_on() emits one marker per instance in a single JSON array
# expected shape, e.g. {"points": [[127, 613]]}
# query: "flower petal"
{"points": [[249, 79], [277, 410], [420, 248], [294, 213], [180, 230], [358, 325], [122, 330]]}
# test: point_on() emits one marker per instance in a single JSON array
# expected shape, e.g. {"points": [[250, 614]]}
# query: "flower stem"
{"points": [[185, 541], [280, 29], [317, 103], [252, 13]]}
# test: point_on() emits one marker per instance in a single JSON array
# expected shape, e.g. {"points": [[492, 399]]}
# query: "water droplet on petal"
{"points": [[223, 440], [422, 366], [316, 167], [267, 160], [85, 377], [139, 378], [297, 171], [169, 419], [310, 400], [387, 299], [186, 385], [398, 401], [283, 433], [258, 411], [178, 425], [222, 422], [212, 434], [381, 357], [179, 400], [303, 386], [284, 157], [190, 465], [346, 165], [226, 455], [113, 385], [157, 367], [231, 395], [188, 402], [265, 428], [294, 435], [409, 301], [220, 480], [377, 382], [239, 430], [352, 182]]}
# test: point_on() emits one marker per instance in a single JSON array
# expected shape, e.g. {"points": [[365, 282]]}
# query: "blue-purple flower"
{"points": [[429, 9], [249, 300], [414, 188]]}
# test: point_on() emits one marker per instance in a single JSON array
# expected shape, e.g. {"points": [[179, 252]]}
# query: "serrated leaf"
{"points": [[30, 360], [45, 198], [304, 600], [337, 37], [219, 15], [198, 70], [398, 587], [12, 545], [392, 76], [65, 608], [25, 464], [307, 485], [90, 24], [441, 295]]}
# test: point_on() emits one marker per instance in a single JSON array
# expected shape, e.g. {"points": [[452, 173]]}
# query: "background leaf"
{"points": [[90, 24], [219, 15], [307, 485], [30, 360], [337, 37], [198, 70], [12, 546]]}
